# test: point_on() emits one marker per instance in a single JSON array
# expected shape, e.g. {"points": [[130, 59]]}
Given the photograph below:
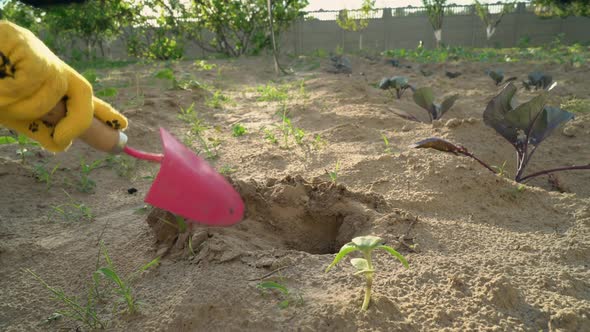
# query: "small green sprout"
{"points": [[386, 142], [42, 174], [238, 130], [288, 296], [364, 266], [334, 174], [270, 136]]}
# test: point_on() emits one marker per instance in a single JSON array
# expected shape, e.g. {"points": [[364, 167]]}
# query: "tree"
{"points": [[562, 8], [435, 10], [348, 23], [21, 14], [238, 26], [95, 22], [491, 21]]}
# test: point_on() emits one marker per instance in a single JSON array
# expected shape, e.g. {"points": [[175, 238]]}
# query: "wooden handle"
{"points": [[98, 135], [101, 137]]}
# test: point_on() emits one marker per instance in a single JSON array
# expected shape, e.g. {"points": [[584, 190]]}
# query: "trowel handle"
{"points": [[104, 138]]}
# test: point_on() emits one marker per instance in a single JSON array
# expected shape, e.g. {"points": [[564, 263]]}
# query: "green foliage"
{"points": [[364, 266], [287, 297], [72, 211], [435, 11], [270, 92], [386, 143], [562, 8], [576, 105], [85, 313], [42, 174], [24, 144], [491, 21], [167, 74], [217, 100], [122, 285], [346, 22], [334, 174], [203, 65], [21, 14], [238, 130], [239, 26]]}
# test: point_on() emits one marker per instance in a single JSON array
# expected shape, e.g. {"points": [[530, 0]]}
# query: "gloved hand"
{"points": [[33, 81]]}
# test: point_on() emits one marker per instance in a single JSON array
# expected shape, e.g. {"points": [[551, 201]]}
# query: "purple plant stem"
{"points": [[559, 169], [478, 160]]}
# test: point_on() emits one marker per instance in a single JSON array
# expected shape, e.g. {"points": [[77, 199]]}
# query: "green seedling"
{"points": [[203, 65], [270, 136], [167, 74], [298, 134], [398, 83], [217, 100], [85, 183], [123, 165], [501, 170], [42, 174], [287, 296], [84, 313], [227, 170], [334, 174], [364, 266], [122, 285], [386, 142], [238, 130], [272, 93], [107, 93], [24, 144], [318, 142], [72, 210]]}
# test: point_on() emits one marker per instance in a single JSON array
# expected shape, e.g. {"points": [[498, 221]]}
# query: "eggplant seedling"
{"points": [[498, 76], [524, 126], [399, 83], [364, 266], [539, 80], [424, 97]]}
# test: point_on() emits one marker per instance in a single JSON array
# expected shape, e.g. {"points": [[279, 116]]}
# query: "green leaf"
{"points": [[345, 250], [273, 285], [107, 92], [447, 104], [365, 243], [165, 74], [7, 140], [424, 97], [155, 261], [360, 264], [112, 275], [392, 251]]}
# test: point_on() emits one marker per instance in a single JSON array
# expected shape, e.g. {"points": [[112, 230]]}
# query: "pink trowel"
{"points": [[186, 184]]}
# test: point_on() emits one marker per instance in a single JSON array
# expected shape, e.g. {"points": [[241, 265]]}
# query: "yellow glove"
{"points": [[33, 80]]}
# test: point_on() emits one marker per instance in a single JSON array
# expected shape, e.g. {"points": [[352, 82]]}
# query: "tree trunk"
{"points": [[490, 30], [438, 37], [272, 37]]}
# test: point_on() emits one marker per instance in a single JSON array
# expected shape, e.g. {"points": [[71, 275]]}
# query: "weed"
{"points": [[334, 174], [272, 93], [85, 183], [42, 174], [203, 65], [576, 105], [123, 165], [122, 285], [318, 142], [386, 142], [217, 100], [167, 74], [24, 144], [270, 136], [364, 266], [501, 170], [72, 210], [107, 93], [238, 130], [85, 313], [288, 297], [227, 170]]}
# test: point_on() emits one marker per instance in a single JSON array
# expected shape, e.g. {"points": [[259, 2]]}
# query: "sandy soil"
{"points": [[484, 254]]}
